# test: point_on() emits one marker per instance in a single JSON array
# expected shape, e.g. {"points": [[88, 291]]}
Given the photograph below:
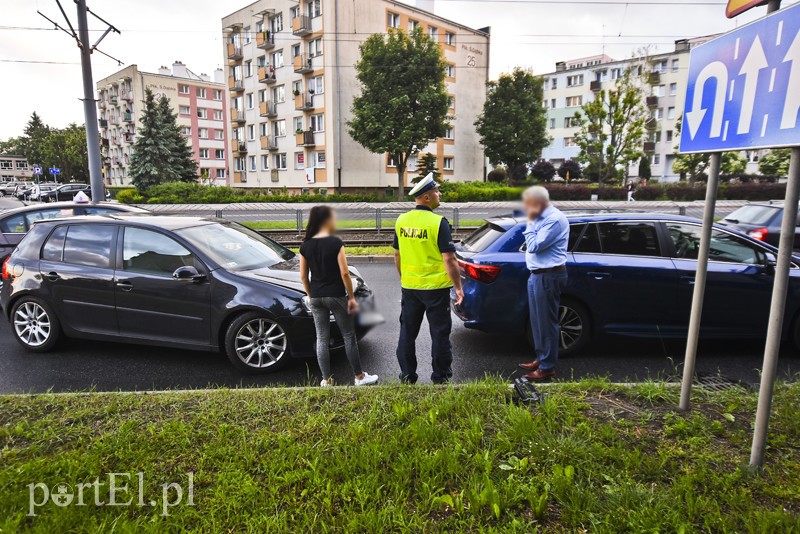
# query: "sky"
{"points": [[528, 33]]}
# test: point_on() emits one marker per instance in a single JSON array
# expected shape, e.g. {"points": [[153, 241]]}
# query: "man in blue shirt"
{"points": [[546, 240]]}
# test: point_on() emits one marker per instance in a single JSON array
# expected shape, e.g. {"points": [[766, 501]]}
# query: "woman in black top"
{"points": [[330, 291]]}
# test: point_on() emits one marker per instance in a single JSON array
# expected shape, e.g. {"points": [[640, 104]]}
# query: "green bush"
{"points": [[129, 196]]}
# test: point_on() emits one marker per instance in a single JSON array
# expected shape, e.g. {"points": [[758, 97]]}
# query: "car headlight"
{"points": [[306, 300]]}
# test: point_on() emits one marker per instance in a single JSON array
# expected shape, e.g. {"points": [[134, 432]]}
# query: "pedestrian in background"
{"points": [[330, 291], [631, 190], [424, 254], [546, 239]]}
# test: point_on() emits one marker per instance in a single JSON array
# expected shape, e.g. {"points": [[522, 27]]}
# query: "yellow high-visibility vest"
{"points": [[421, 265]]}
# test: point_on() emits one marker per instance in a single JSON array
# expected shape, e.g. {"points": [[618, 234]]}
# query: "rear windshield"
{"points": [[753, 215], [482, 238]]}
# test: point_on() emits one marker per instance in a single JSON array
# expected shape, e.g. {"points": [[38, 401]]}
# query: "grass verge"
{"points": [[594, 457]]}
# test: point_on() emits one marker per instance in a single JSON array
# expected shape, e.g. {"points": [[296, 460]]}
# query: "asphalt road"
{"points": [[84, 365]]}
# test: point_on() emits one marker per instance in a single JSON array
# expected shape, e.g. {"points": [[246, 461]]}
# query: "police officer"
{"points": [[425, 257]]}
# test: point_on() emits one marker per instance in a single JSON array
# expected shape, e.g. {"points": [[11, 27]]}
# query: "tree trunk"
{"points": [[517, 172], [401, 185]]}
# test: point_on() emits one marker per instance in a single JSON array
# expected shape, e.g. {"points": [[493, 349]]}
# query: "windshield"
{"points": [[480, 239], [760, 215], [235, 247]]}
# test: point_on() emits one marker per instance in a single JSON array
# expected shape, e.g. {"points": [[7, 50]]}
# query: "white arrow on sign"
{"points": [[695, 117], [792, 104], [755, 61]]}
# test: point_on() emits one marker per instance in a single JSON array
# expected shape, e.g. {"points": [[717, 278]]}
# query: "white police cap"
{"points": [[423, 186]]}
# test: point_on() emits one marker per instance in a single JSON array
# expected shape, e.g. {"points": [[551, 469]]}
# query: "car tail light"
{"points": [[758, 233], [482, 273], [6, 274]]}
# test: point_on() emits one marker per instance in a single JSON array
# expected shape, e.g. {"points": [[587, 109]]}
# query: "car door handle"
{"points": [[125, 285], [52, 276], [688, 279], [598, 275]]}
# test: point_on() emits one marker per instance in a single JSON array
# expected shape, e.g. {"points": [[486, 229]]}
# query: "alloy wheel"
{"points": [[571, 327], [32, 324], [260, 343]]}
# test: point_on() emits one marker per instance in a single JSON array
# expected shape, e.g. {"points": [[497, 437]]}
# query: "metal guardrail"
{"points": [[381, 217]]}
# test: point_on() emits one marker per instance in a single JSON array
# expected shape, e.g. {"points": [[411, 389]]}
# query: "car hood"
{"points": [[285, 274]]}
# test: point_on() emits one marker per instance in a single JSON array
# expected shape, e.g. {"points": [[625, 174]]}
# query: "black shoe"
{"points": [[408, 380]]}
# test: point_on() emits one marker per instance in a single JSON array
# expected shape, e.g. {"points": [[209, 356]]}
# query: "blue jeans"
{"points": [[321, 309], [435, 304], [544, 299]]}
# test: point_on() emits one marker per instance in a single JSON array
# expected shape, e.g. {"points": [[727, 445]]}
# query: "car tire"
{"points": [[256, 343], [43, 329], [578, 330]]}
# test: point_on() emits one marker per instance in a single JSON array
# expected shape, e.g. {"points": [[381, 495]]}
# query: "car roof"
{"points": [[509, 221], [70, 204], [165, 222]]}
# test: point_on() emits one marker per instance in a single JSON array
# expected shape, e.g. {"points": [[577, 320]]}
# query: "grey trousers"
{"points": [[321, 309]]}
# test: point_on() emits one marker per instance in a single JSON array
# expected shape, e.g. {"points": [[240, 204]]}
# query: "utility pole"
{"points": [[89, 103]]}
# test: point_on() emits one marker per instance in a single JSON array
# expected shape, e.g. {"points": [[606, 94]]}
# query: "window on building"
{"points": [[264, 162], [217, 115], [294, 12], [202, 113], [278, 94], [251, 132], [616, 73], [575, 80], [671, 113], [203, 153], [412, 25], [261, 61], [574, 101], [655, 137], [219, 154], [390, 161], [217, 94], [247, 37], [658, 114], [280, 161], [659, 90], [22, 165], [448, 163], [554, 83], [668, 135], [676, 65], [450, 39], [249, 101], [570, 122], [279, 128], [238, 164], [184, 110], [295, 50], [251, 160], [450, 71], [317, 122], [316, 85], [319, 160], [201, 92], [673, 89], [656, 159], [298, 124], [393, 20], [248, 69], [552, 123], [220, 173], [6, 164], [314, 8], [202, 133], [276, 59], [186, 131], [262, 129], [448, 133], [570, 142], [276, 23], [433, 33], [553, 103], [451, 102], [660, 66], [183, 89], [315, 47], [299, 160]]}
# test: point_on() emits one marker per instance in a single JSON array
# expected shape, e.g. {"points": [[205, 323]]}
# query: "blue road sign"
{"points": [[55, 171], [744, 88], [37, 169]]}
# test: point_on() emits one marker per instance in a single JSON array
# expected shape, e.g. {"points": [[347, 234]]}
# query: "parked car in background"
{"points": [[9, 189], [185, 282], [65, 192], [15, 223], [30, 193], [629, 275], [761, 221]]}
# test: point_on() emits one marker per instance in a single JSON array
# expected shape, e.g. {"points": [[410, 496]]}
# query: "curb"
{"points": [[366, 260]]}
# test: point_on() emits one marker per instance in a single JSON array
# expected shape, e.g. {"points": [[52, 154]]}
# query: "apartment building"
{"points": [[14, 168], [198, 99], [576, 82], [291, 81]]}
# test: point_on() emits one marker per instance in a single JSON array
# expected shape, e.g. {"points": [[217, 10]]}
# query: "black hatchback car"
{"points": [[761, 221], [65, 192], [183, 282]]}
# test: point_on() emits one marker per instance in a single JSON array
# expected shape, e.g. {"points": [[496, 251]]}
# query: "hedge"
{"points": [[187, 193]]}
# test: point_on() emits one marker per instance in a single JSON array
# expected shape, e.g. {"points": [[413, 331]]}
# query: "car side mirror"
{"points": [[188, 273]]}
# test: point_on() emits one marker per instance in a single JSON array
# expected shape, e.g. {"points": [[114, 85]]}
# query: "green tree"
{"points": [[12, 145], [543, 171], [733, 163], [66, 149], [427, 164], [644, 168], [612, 128], [571, 167], [403, 102], [33, 140], [161, 153], [775, 162], [692, 166], [513, 124]]}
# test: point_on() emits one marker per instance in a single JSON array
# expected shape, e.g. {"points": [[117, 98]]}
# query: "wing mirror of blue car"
{"points": [[188, 273]]}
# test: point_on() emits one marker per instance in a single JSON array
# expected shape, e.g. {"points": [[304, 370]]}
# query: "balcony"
{"points": [[101, 102], [113, 100], [127, 96], [305, 138], [266, 74], [127, 117], [655, 78], [649, 146], [239, 147], [268, 142], [265, 40], [652, 101], [268, 109], [235, 84], [239, 177], [651, 124], [234, 52], [595, 86], [237, 116], [304, 101], [301, 25], [103, 123], [302, 64]]}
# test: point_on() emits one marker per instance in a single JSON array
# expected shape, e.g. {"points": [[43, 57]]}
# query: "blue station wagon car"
{"points": [[629, 275]]}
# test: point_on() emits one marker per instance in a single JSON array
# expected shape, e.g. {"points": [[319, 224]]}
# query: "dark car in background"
{"points": [[9, 189], [30, 193], [65, 192], [629, 275], [183, 282], [15, 223], [761, 221]]}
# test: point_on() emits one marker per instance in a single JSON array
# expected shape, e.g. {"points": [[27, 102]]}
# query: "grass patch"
{"points": [[593, 458], [345, 224]]}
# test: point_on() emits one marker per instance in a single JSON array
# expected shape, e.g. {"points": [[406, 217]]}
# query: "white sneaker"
{"points": [[367, 380], [326, 383]]}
